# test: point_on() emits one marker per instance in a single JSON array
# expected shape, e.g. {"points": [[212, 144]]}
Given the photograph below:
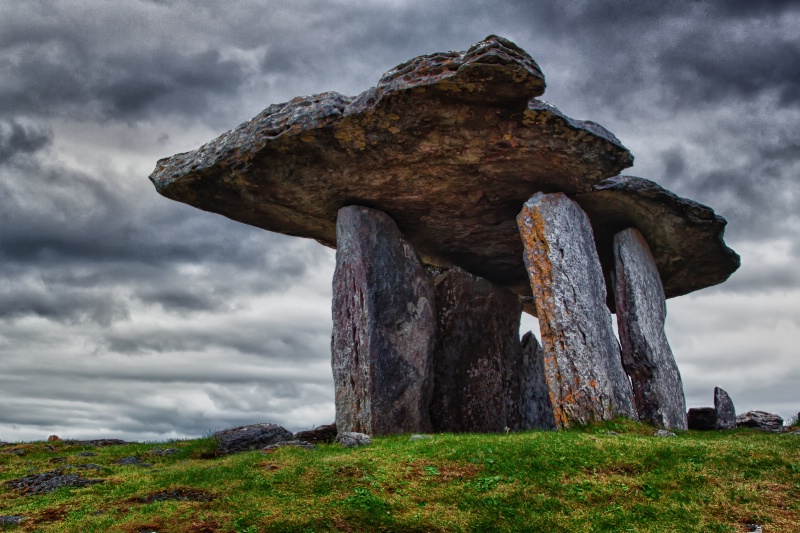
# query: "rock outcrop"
{"points": [[384, 323], [477, 357], [760, 420], [723, 406], [581, 355], [536, 404], [646, 355], [326, 433]]}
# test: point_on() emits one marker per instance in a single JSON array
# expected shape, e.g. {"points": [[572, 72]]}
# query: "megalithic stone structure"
{"points": [[384, 323], [581, 355], [537, 406], [646, 355], [478, 355]]}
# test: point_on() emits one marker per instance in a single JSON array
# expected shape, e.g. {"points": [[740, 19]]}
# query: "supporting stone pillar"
{"points": [[581, 355], [384, 323], [478, 355], [646, 355], [537, 407]]}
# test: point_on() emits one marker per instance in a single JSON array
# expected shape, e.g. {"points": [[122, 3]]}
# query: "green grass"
{"points": [[580, 480]]}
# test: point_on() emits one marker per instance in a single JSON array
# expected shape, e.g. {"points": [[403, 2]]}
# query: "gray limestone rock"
{"points": [[352, 439], [250, 437], [291, 443], [417, 437], [477, 357], [537, 407], [646, 355], [384, 323], [663, 433], [581, 355], [726, 413], [702, 418], [760, 420]]}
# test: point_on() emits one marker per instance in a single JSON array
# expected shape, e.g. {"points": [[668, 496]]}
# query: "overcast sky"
{"points": [[124, 314]]}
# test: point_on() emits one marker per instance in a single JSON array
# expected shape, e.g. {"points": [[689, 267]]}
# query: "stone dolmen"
{"points": [[455, 200]]}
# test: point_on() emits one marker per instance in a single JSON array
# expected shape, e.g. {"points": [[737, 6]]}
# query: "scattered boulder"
{"points": [[249, 438], [132, 461], [760, 420], [350, 439], [419, 437], [294, 443], [646, 354], [384, 324], [536, 404], [582, 360], [320, 434], [663, 433], [8, 520], [477, 355], [702, 418], [163, 452], [726, 413]]}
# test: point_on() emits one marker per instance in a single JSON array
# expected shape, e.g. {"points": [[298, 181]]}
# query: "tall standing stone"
{"points": [[726, 412], [478, 355], [646, 355], [582, 357], [383, 327], [537, 407]]}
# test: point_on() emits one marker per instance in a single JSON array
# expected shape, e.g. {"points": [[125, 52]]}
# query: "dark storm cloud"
{"points": [[18, 138]]}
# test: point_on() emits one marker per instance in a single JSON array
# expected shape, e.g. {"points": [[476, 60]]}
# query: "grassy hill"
{"points": [[611, 477]]}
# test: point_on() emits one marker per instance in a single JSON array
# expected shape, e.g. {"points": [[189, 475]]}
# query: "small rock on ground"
{"points": [[163, 452], [760, 420], [248, 438], [10, 519], [419, 437], [46, 482], [295, 443], [349, 439], [663, 433], [132, 461]]}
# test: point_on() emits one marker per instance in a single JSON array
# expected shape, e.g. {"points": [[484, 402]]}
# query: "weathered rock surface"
{"points": [[291, 443], [417, 437], [726, 413], [702, 418], [477, 355], [384, 324], [760, 420], [326, 433], [646, 355], [581, 355], [685, 237], [250, 437], [132, 461], [8, 520], [535, 402], [663, 433], [46, 482], [351, 439]]}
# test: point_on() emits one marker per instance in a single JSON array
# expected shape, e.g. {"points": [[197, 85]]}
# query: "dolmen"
{"points": [[456, 199]]}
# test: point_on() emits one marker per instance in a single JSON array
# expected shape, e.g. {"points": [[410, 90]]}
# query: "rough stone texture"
{"points": [[97, 442], [326, 433], [646, 355], [685, 237], [384, 323], [760, 420], [8, 520], [702, 418], [477, 355], [351, 439], [132, 461], [46, 482], [292, 443], [581, 355], [536, 404], [250, 437], [726, 413], [663, 433]]}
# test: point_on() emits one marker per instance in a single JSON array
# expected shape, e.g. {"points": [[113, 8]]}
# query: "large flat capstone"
{"points": [[581, 355], [384, 326], [449, 145]]}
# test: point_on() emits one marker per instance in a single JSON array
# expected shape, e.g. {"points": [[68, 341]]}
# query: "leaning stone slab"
{"points": [[537, 406], [646, 355], [384, 324], [726, 413], [478, 356], [249, 438], [702, 418], [581, 355], [760, 420]]}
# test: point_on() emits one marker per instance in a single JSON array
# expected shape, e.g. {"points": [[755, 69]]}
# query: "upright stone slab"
{"points": [[646, 355], [726, 413], [537, 407], [581, 355], [383, 328], [478, 355]]}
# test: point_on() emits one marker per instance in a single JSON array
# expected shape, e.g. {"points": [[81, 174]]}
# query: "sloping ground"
{"points": [[614, 477]]}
